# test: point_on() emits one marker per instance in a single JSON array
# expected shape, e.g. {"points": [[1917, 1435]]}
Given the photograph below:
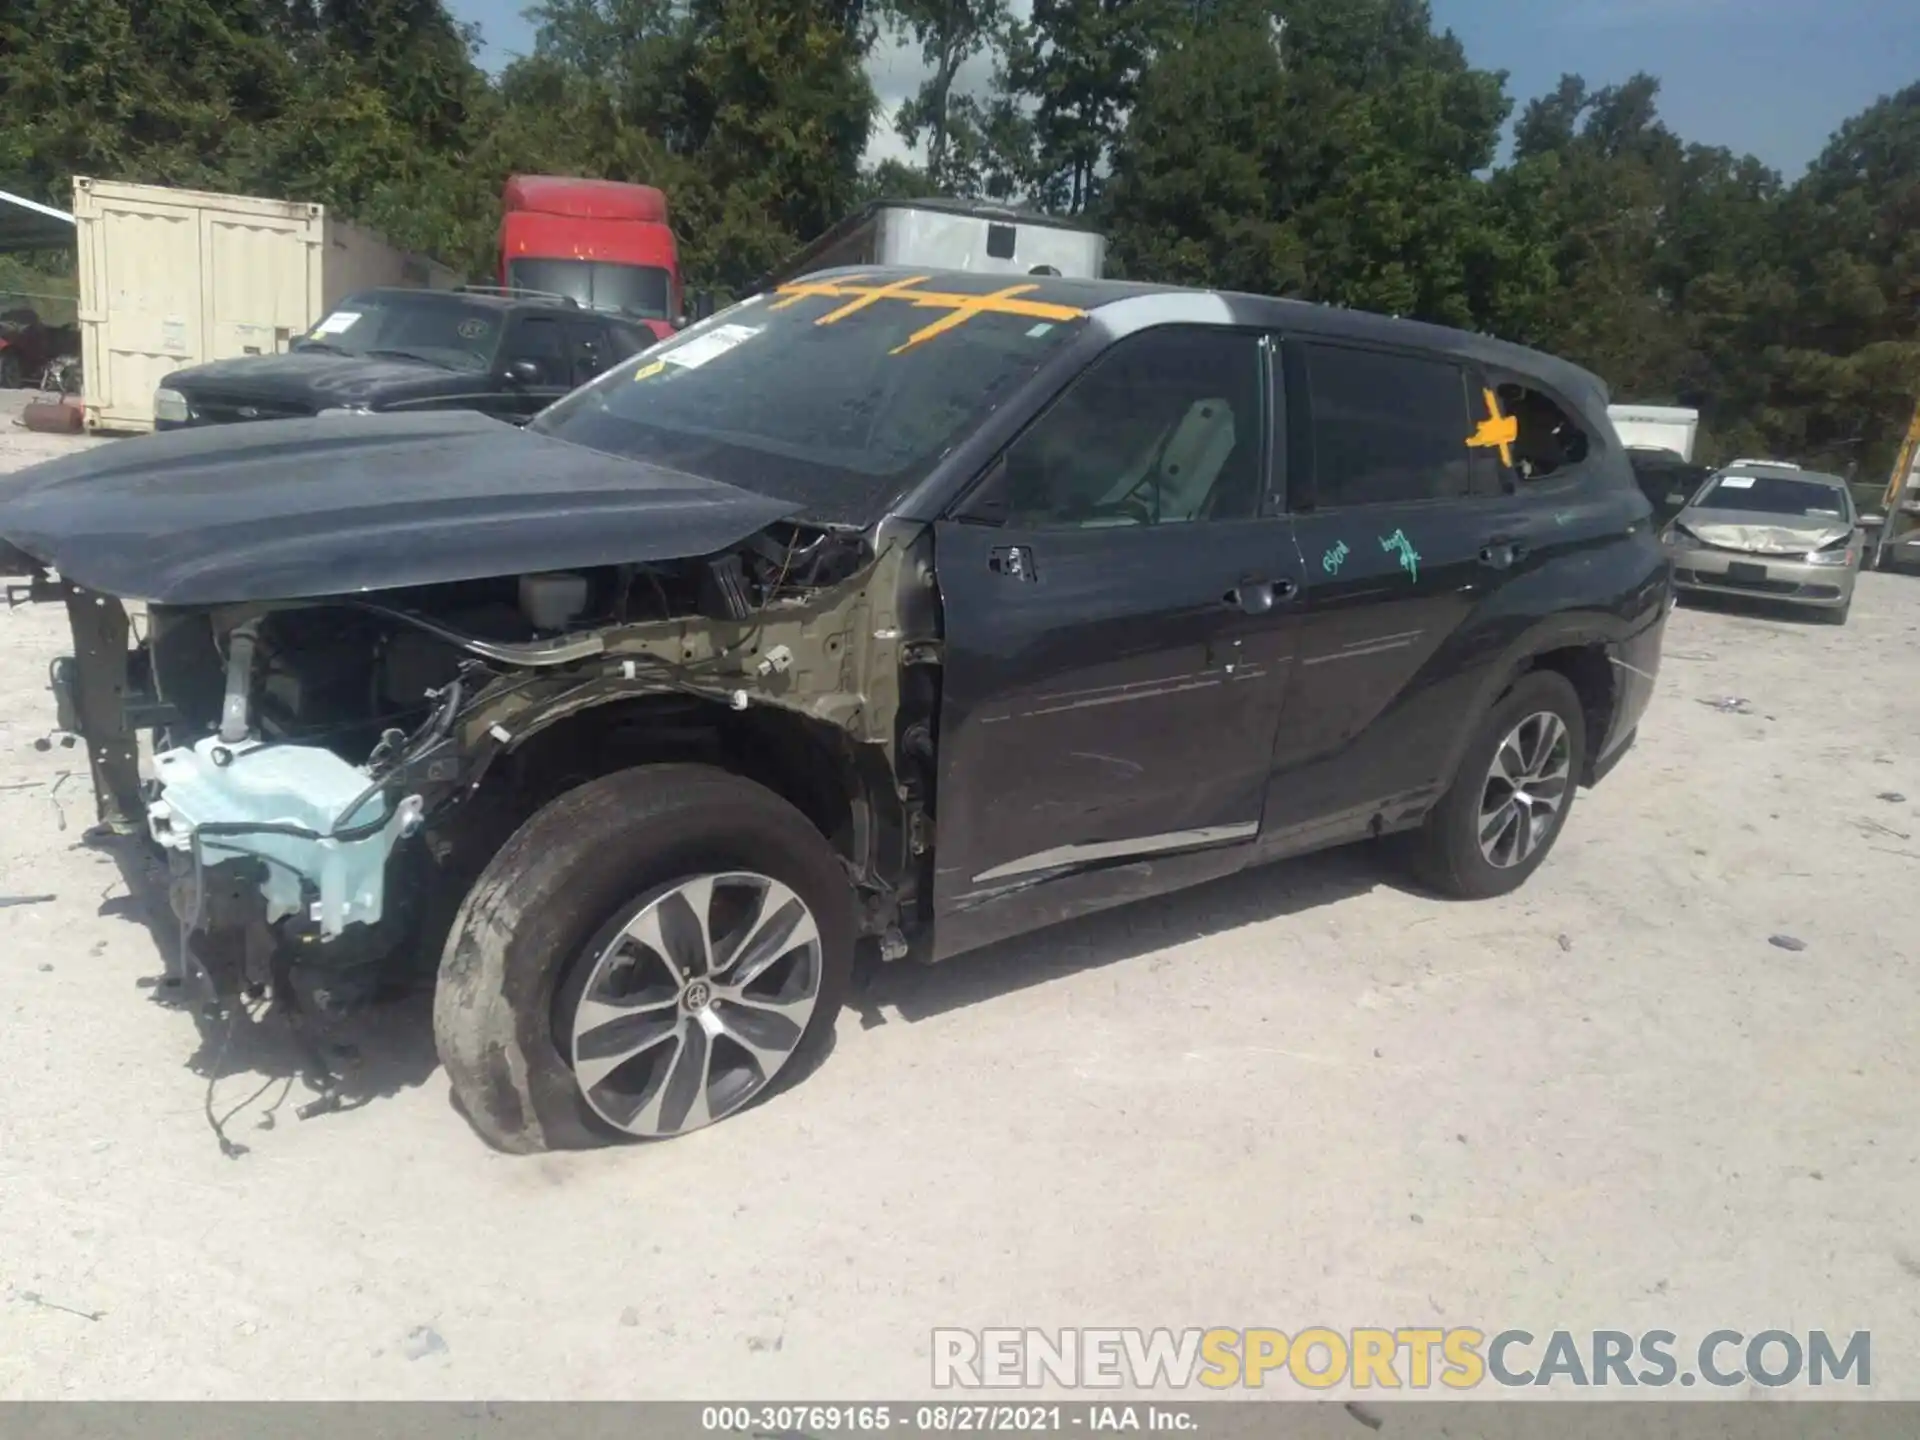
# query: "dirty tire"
{"points": [[1444, 854], [568, 871]]}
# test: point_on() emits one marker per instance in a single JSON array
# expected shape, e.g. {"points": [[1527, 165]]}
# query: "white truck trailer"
{"points": [[170, 278], [951, 235], [1656, 427]]}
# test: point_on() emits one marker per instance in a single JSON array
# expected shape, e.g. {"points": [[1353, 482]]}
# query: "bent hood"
{"points": [[298, 509], [1765, 534]]}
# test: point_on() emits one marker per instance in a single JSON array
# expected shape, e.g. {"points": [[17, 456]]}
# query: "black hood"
{"points": [[296, 509], [317, 380]]}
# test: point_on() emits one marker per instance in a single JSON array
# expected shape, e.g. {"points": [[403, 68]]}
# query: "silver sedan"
{"points": [[1770, 531]]}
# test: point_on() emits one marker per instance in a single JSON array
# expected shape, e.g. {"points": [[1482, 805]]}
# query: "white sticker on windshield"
{"points": [[1737, 482], [337, 323], [1037, 331], [698, 351]]}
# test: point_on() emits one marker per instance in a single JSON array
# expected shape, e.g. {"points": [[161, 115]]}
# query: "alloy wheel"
{"points": [[1525, 789], [696, 1004]]}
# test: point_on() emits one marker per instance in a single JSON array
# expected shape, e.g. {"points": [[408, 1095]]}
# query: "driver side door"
{"points": [[1119, 618]]}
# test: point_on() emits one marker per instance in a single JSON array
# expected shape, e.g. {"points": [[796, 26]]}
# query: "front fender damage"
{"points": [[291, 853]]}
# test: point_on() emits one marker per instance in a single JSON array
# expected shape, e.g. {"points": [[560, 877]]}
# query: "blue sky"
{"points": [[1773, 77]]}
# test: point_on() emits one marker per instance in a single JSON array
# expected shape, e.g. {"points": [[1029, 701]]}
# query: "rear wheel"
{"points": [[1511, 796], [650, 953]]}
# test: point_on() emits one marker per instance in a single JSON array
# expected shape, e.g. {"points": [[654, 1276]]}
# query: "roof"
{"points": [[1123, 306], [479, 295], [28, 225]]}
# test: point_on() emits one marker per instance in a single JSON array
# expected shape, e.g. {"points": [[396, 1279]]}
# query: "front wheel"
{"points": [[1510, 798], [650, 953]]}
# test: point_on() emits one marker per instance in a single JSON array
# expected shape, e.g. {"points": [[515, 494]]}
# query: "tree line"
{"points": [[1342, 151]]}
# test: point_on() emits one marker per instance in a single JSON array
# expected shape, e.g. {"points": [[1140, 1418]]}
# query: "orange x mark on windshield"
{"points": [[1496, 432]]}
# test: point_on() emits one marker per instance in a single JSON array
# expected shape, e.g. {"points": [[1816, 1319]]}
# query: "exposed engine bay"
{"points": [[328, 774]]}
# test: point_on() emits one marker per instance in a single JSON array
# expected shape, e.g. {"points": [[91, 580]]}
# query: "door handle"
{"points": [[1257, 597], [1013, 561]]}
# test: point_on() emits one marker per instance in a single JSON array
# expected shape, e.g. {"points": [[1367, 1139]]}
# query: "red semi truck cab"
{"points": [[603, 243]]}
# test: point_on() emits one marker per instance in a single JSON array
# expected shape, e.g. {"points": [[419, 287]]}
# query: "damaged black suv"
{"points": [[891, 610]]}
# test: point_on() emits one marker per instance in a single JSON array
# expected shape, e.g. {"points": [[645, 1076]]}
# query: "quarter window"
{"points": [[1550, 441], [1387, 428], [1165, 428]]}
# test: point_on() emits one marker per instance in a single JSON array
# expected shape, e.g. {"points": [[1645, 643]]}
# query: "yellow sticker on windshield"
{"points": [[647, 372]]}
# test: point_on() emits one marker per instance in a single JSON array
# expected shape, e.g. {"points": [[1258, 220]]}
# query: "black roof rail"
{"points": [[516, 292]]}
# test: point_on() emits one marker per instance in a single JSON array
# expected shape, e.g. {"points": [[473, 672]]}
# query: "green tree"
{"points": [[1320, 147], [949, 33], [1071, 74], [1848, 366], [781, 105]]}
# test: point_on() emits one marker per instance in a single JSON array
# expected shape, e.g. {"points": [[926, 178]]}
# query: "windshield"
{"points": [[831, 394], [429, 326], [642, 290], [1775, 495]]}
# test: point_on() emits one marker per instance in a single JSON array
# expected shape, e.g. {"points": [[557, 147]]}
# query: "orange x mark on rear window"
{"points": [[1496, 432]]}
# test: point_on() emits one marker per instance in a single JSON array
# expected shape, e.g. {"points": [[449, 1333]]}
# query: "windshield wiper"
{"points": [[324, 346], [410, 355]]}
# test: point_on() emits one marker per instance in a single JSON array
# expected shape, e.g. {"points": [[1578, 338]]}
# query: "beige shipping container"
{"points": [[171, 278]]}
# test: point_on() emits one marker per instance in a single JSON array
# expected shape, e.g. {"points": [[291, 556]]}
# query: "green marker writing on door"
{"points": [[1409, 557]]}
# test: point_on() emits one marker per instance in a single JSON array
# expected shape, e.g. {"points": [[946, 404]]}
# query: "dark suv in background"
{"points": [[508, 355]]}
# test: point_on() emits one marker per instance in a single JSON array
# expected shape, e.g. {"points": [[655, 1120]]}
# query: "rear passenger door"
{"points": [[1396, 493]]}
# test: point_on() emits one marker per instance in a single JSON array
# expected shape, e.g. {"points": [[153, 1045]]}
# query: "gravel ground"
{"points": [[1300, 1096]]}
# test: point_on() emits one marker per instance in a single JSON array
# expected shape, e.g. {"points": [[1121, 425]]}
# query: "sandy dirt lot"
{"points": [[1301, 1096]]}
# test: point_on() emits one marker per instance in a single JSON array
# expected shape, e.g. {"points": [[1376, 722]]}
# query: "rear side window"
{"points": [[1549, 441], [1387, 428]]}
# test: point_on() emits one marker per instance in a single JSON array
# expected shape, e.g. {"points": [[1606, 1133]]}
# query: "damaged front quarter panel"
{"points": [[315, 837], [835, 658]]}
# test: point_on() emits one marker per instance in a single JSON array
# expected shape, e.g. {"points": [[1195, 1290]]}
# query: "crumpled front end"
{"points": [[328, 774], [321, 832]]}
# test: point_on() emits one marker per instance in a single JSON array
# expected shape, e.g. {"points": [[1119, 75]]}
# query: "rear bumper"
{"points": [[1763, 577], [1636, 666]]}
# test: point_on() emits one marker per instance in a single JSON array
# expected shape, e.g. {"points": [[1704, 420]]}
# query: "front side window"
{"points": [[642, 290], [1387, 428], [831, 394], [540, 340], [431, 327], [1166, 428]]}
